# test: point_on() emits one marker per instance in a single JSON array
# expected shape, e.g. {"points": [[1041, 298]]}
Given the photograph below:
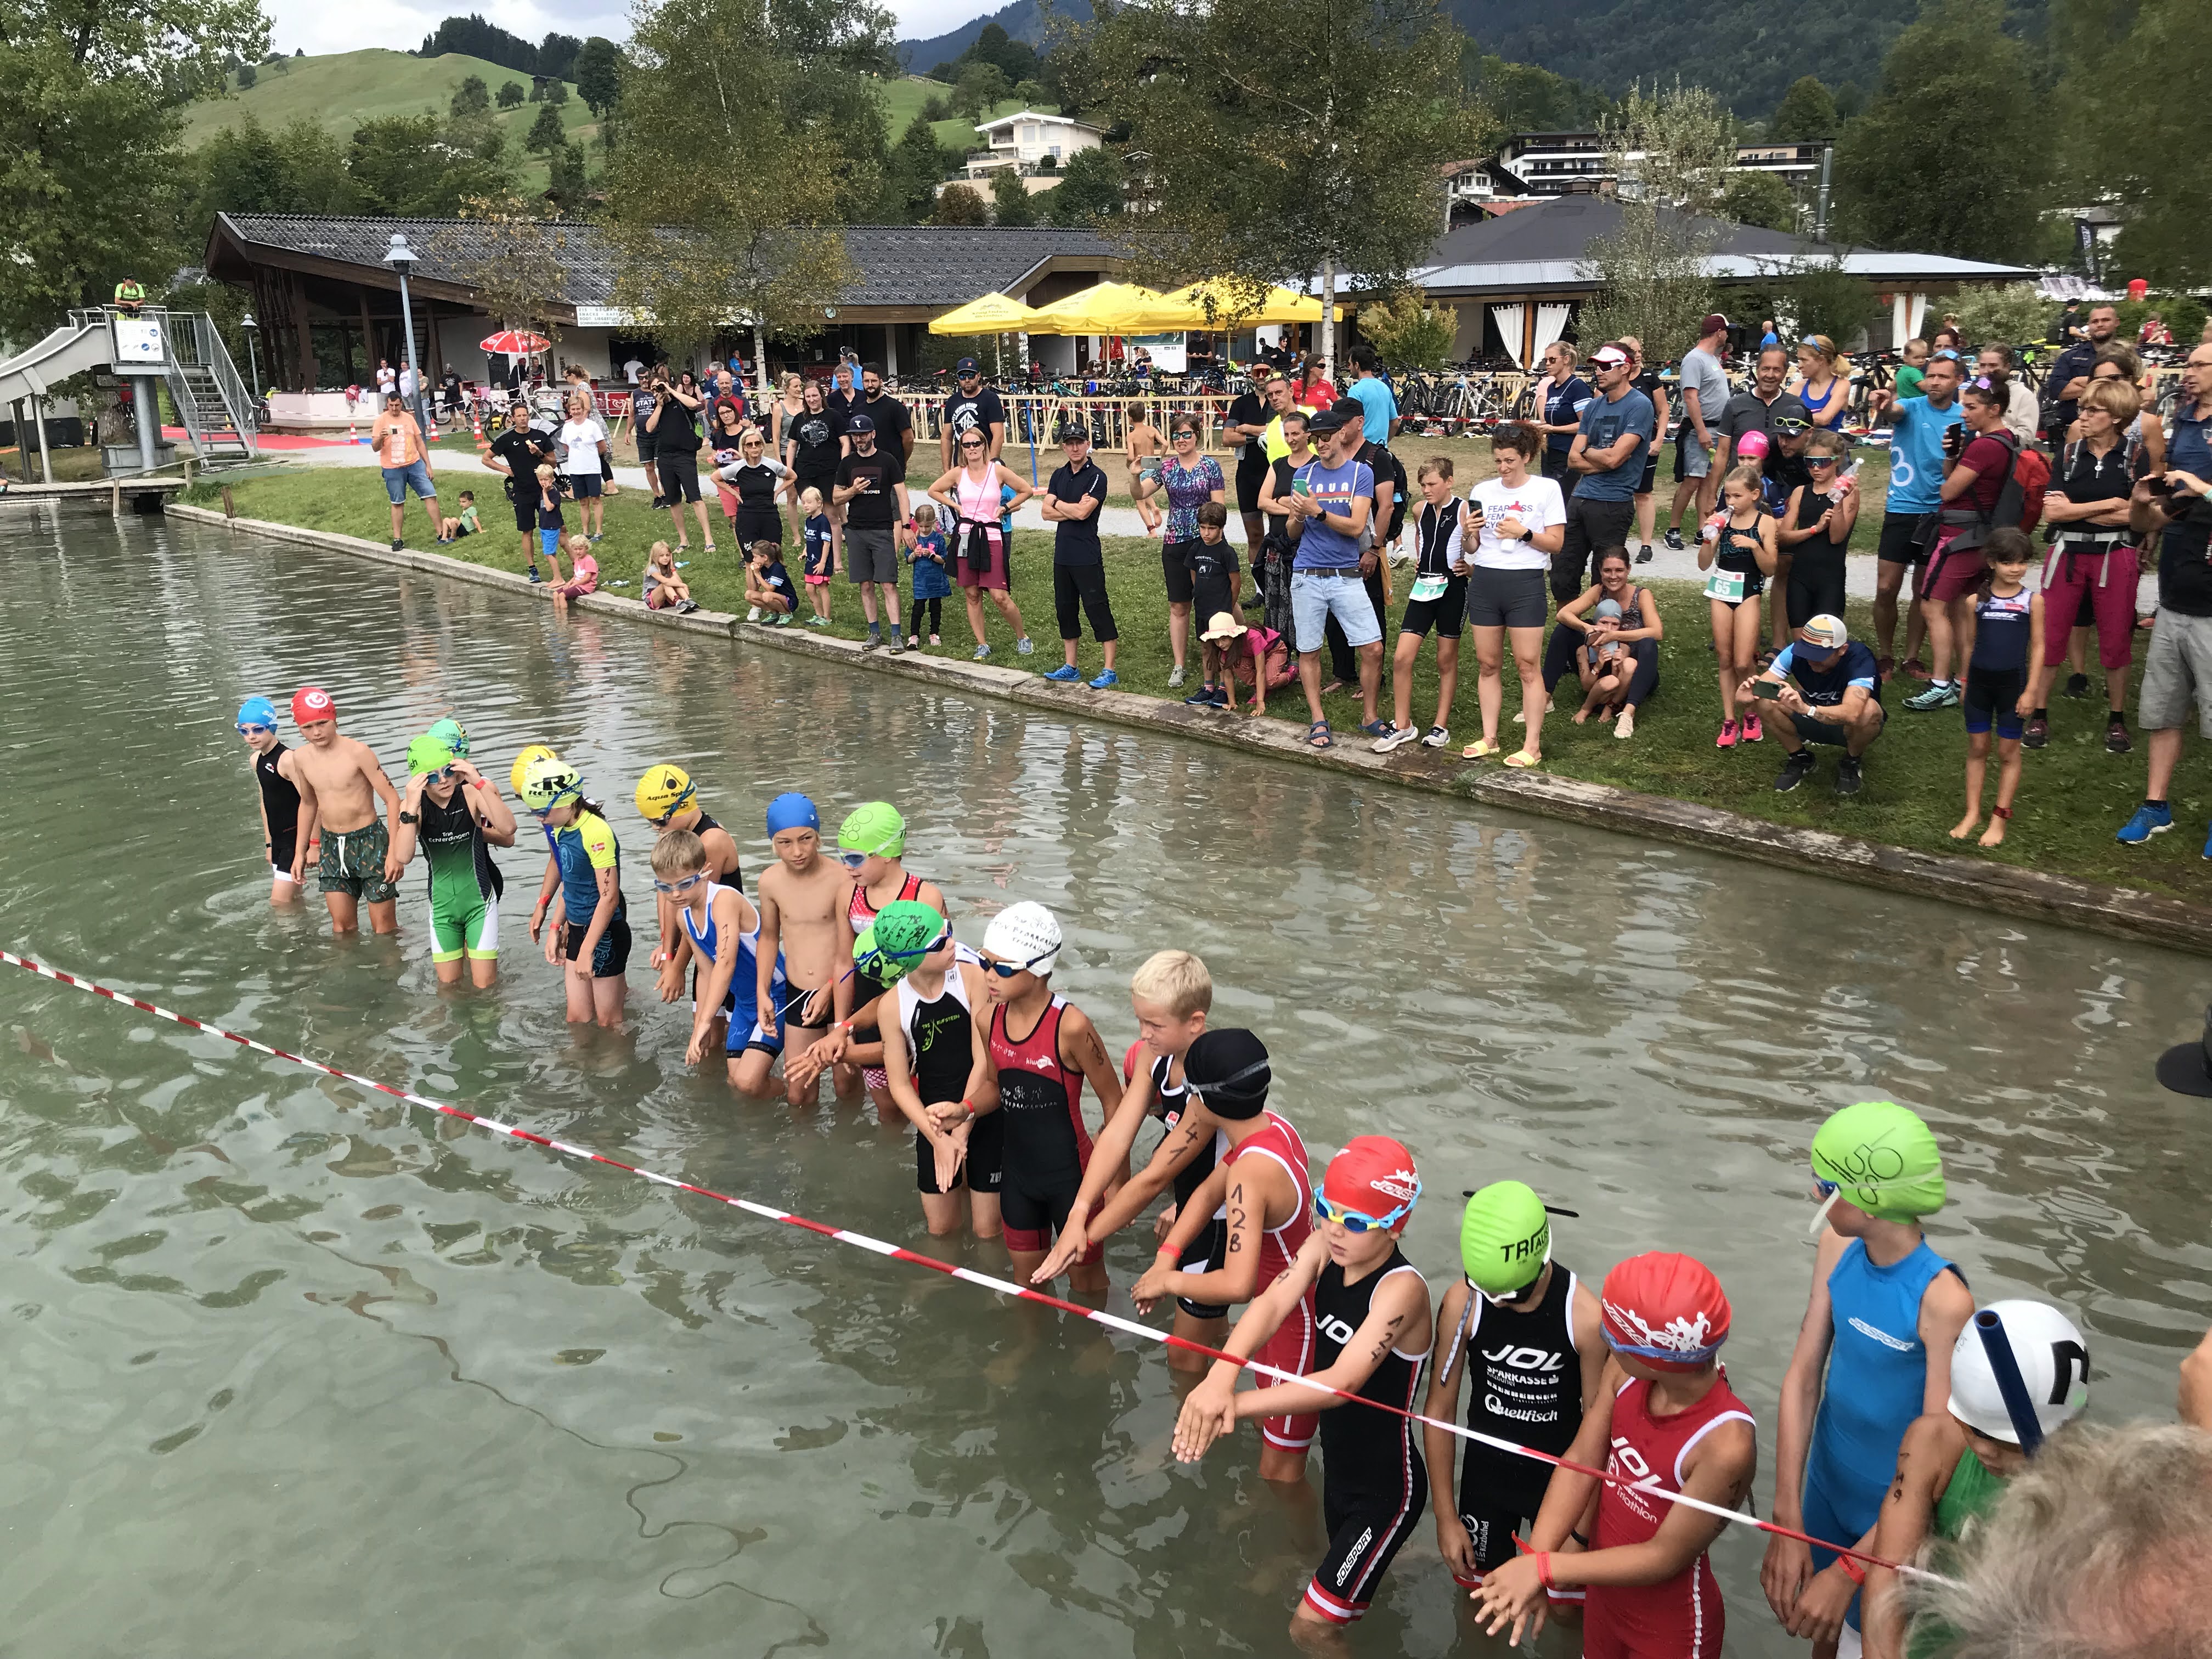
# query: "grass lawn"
{"points": [[904, 97], [72, 466], [2073, 797]]}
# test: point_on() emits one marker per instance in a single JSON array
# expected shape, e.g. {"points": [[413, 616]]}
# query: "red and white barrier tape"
{"points": [[1003, 1287]]}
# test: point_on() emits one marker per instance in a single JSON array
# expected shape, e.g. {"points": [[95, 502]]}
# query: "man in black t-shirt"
{"points": [[1246, 426], [872, 488], [518, 452], [974, 406], [1073, 497], [2069, 375], [673, 431], [894, 426]]}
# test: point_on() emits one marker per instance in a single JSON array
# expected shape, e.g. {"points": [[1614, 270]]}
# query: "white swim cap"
{"points": [[2053, 1360], [1025, 934]]}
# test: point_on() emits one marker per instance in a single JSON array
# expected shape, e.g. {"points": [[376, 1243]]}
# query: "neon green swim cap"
{"points": [[1504, 1238], [451, 732], [902, 934], [428, 753], [1884, 1160], [873, 827]]}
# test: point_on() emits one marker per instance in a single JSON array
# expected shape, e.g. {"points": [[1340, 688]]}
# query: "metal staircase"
{"points": [[219, 414]]}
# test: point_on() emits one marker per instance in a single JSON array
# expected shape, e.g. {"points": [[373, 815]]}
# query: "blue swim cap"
{"points": [[792, 812], [256, 711]]}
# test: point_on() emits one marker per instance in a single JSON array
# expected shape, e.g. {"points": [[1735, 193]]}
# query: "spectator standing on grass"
{"points": [[975, 407], [675, 438], [814, 441], [387, 379], [1616, 432], [2091, 563], [1824, 688], [1647, 500], [519, 452], [2177, 667], [1821, 382], [1332, 500], [870, 487], [846, 395], [1563, 393], [1634, 624], [893, 425], [1438, 600], [2070, 374], [1188, 480], [2008, 624], [1915, 489], [1754, 409], [1703, 385], [1074, 496], [1378, 404], [397, 443], [789, 403], [584, 448], [1245, 429], [2023, 415], [1977, 477], [976, 495], [1277, 553], [1518, 522], [1814, 528]]}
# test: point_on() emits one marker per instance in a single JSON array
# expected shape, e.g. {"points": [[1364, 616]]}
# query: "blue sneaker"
{"points": [[1109, 677], [1066, 674], [2153, 817], [2207, 834]]}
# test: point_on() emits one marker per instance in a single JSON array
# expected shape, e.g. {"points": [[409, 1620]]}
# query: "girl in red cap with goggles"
{"points": [[1665, 1418], [1372, 1332]]}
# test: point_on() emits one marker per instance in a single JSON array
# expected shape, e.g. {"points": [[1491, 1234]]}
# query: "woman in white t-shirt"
{"points": [[1522, 520], [583, 445]]}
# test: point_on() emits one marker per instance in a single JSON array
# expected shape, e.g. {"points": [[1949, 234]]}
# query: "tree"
{"points": [[934, 108], [1527, 99], [511, 95], [1011, 205], [2147, 158], [547, 134], [408, 166], [1090, 188], [556, 92], [250, 168], [1751, 196], [556, 56], [2013, 313], [1815, 294], [598, 74], [515, 259], [959, 204], [982, 89], [1408, 332], [473, 97], [1951, 158], [1016, 59], [1807, 110], [1283, 138], [565, 184], [471, 37], [697, 248], [917, 163], [89, 125], [246, 76]]}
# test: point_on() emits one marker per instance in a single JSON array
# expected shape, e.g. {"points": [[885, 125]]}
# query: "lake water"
{"points": [[293, 1366]]}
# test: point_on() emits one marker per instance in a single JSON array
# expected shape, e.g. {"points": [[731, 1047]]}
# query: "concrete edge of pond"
{"points": [[2121, 912]]}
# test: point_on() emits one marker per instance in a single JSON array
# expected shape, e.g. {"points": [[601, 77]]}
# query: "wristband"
{"points": [[1852, 1570], [1544, 1568]]}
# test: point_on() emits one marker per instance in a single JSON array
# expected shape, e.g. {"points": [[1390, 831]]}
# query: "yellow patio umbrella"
{"points": [[994, 313], [1277, 305], [1109, 308]]}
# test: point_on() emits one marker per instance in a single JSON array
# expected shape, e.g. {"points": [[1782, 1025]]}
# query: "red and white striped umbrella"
{"points": [[513, 342]]}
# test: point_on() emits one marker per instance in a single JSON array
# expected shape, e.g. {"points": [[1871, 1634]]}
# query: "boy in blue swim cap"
{"points": [[276, 771], [802, 900]]}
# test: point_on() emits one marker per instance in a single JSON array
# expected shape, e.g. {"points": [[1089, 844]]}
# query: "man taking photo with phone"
{"points": [[1823, 687]]}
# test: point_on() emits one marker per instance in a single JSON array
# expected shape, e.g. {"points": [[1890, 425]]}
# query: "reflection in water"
{"points": [[288, 1355]]}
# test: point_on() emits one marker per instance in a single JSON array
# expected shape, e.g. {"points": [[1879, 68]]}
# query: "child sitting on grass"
{"points": [[664, 587], [817, 537], [932, 575], [452, 529], [549, 525], [583, 573], [767, 587]]}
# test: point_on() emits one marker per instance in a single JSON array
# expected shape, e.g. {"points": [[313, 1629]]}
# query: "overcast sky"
{"points": [[316, 27]]}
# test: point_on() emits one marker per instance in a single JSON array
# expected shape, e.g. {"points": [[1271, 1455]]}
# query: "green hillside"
{"points": [[349, 87], [904, 97]]}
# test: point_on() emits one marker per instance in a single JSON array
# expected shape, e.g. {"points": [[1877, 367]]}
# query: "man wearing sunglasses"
{"points": [[1754, 409], [276, 770], [1617, 428], [973, 407]]}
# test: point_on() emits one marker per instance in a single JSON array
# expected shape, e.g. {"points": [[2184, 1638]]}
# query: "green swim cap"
{"points": [[428, 753], [873, 827], [1884, 1159], [1504, 1238], [900, 936], [450, 732]]}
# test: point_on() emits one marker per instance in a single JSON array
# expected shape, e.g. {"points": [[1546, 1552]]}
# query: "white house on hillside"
{"points": [[1026, 141]]}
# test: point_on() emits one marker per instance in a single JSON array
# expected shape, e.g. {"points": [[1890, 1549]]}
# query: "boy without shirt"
{"points": [[1170, 995], [340, 783], [1144, 444], [802, 909]]}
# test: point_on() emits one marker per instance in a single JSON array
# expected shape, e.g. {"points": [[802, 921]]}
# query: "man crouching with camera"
{"points": [[1824, 687]]}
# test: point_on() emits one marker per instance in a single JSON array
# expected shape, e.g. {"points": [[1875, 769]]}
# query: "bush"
{"points": [[510, 95], [959, 204], [1408, 332], [246, 76], [2015, 315], [934, 108]]}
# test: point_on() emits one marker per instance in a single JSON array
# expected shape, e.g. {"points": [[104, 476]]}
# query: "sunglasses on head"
{"points": [[1789, 426]]}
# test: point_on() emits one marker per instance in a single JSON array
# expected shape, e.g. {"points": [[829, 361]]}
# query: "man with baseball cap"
{"points": [[1703, 389], [974, 406], [1835, 699], [1617, 428], [870, 487]]}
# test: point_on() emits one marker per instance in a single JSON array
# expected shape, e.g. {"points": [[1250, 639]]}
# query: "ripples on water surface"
{"points": [[286, 1359]]}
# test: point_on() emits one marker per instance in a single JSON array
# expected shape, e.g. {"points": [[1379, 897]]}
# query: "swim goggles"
{"points": [[1008, 969], [249, 731], [1354, 1221], [683, 886], [853, 860]]}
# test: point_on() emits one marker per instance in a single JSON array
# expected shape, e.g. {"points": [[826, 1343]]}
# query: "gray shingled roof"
{"points": [[899, 264]]}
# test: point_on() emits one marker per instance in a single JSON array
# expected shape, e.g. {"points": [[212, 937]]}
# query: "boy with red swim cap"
{"points": [[1372, 1332], [1666, 1420], [340, 783]]}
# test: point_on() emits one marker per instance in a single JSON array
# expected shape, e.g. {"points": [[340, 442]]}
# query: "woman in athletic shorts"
{"points": [[1519, 520]]}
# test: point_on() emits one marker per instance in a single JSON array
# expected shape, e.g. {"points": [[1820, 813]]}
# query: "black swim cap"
{"points": [[1228, 1068]]}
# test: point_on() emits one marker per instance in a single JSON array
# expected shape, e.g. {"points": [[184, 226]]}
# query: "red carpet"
{"points": [[269, 440]]}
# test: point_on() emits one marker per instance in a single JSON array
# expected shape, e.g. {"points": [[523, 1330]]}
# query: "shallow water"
{"points": [[288, 1360]]}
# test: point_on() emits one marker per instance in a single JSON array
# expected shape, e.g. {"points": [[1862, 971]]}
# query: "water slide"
{"points": [[66, 351]]}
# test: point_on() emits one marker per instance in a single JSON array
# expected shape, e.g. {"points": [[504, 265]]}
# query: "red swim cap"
{"points": [[312, 703], [1667, 1310], [1373, 1176]]}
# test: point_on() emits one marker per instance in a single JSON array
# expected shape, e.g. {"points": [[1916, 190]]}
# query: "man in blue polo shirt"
{"points": [[1915, 489], [1607, 462], [1835, 699], [1332, 502]]}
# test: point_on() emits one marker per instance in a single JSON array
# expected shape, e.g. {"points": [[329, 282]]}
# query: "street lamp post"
{"points": [[252, 357], [401, 258]]}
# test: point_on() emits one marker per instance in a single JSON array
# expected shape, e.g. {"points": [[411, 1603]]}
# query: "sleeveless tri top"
{"points": [[454, 848], [1368, 1452], [1877, 1375], [1041, 1099], [1524, 1384], [707, 942], [1277, 1140], [938, 1037], [280, 801]]}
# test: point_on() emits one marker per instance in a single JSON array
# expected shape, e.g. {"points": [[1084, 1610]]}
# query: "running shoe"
{"points": [[1025, 646], [2153, 817], [1643, 554], [2117, 740], [595, 540], [981, 652], [2208, 843], [1850, 777], [875, 638], [1204, 695], [1675, 541], [1109, 677], [2036, 734], [535, 579], [1174, 679], [1753, 731], [1393, 737], [398, 544], [1436, 737], [2077, 685], [1796, 771], [1727, 737], [784, 622], [1066, 674], [1940, 694], [752, 614]]}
